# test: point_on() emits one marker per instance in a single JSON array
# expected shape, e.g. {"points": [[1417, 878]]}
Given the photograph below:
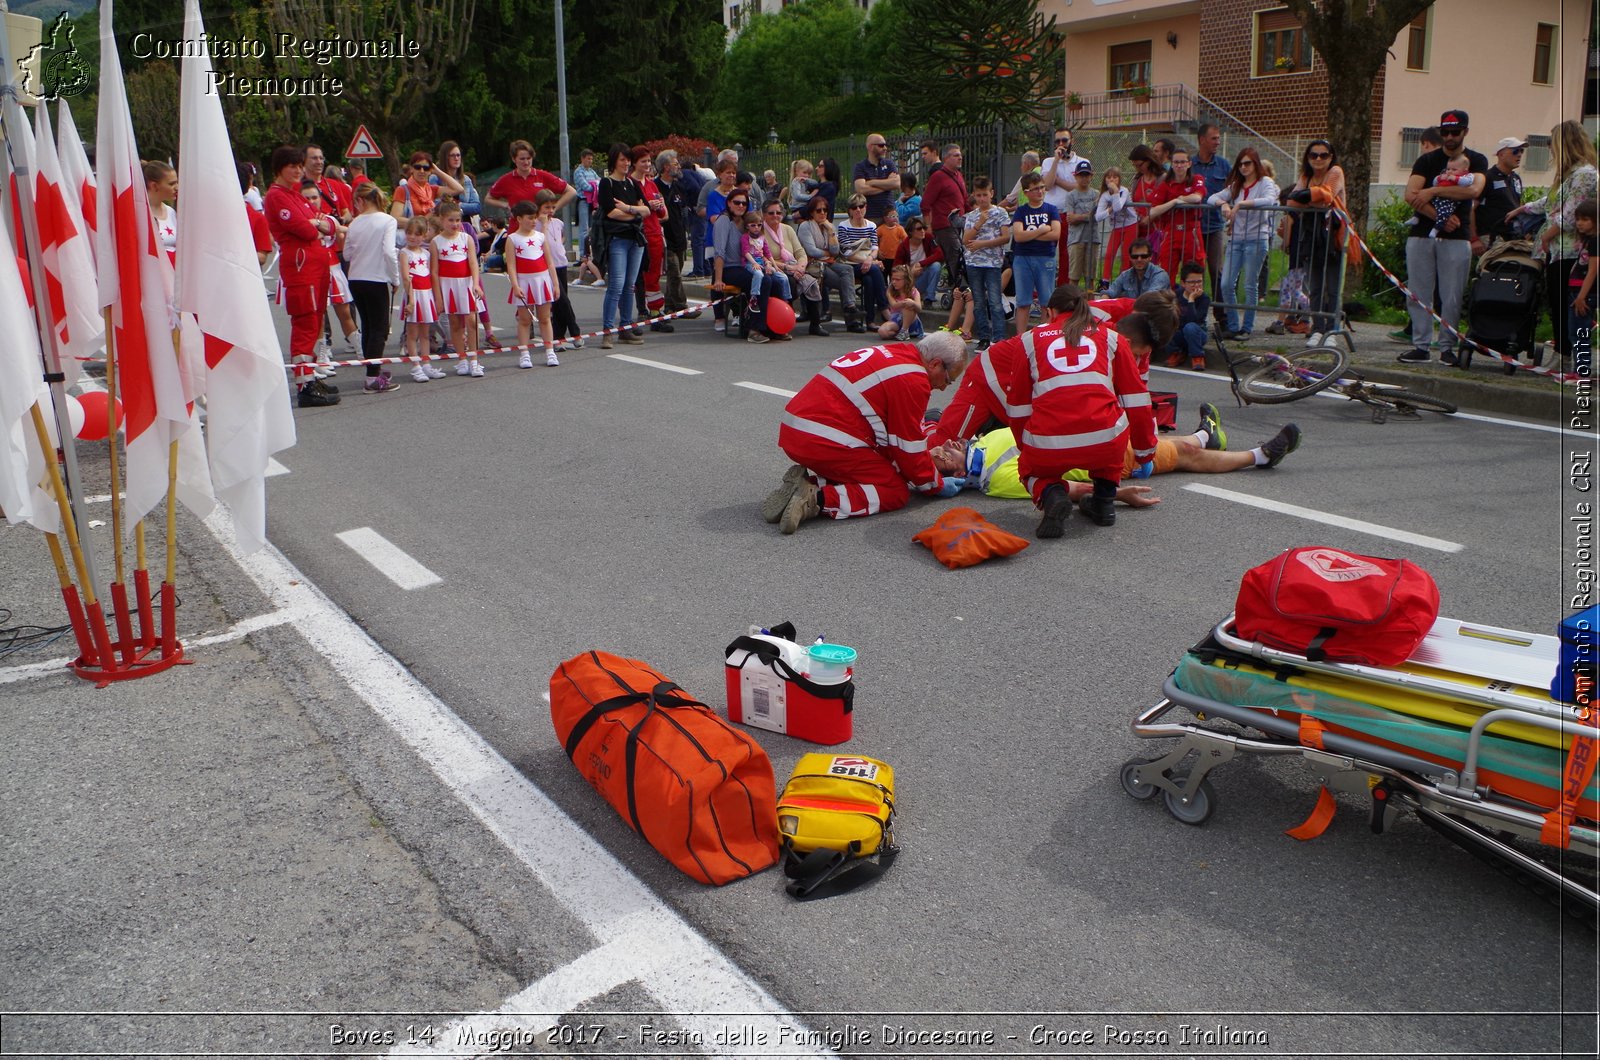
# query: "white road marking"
{"points": [[765, 389], [1497, 421], [392, 562], [1358, 525], [242, 628], [655, 364], [591, 885]]}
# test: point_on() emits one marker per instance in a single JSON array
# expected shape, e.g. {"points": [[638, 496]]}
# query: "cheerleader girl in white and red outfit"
{"points": [[533, 281], [419, 263], [161, 188], [339, 295], [460, 289]]}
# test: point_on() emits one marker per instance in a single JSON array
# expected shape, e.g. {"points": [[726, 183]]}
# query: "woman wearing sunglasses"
{"points": [[825, 260], [728, 269], [1178, 222], [1321, 239]]}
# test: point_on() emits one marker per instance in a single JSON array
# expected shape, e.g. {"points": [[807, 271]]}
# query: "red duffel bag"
{"points": [[697, 789], [1325, 603]]}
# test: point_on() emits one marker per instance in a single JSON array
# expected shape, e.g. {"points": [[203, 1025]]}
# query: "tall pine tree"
{"points": [[974, 61]]}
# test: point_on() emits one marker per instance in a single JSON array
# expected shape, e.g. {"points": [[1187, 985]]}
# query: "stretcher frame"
{"points": [[1488, 664]]}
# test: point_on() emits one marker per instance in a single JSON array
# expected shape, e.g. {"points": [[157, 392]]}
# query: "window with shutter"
{"points": [[1281, 44], [1128, 65]]}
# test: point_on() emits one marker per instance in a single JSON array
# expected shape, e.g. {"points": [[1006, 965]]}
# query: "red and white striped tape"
{"points": [[532, 347], [1505, 358]]}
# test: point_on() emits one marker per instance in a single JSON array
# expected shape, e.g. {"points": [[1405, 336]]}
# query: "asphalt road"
{"points": [[609, 504]]}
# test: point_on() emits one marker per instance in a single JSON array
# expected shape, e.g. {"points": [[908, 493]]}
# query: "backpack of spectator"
{"points": [[1327, 604], [697, 789]]}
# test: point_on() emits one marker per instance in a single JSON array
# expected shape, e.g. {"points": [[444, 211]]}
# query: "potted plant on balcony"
{"points": [[1140, 93], [1284, 63], [1074, 102]]}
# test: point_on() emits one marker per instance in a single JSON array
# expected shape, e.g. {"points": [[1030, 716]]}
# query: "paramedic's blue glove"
{"points": [[1144, 470], [952, 486]]}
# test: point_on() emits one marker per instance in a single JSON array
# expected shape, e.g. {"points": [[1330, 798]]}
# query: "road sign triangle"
{"points": [[362, 145]]}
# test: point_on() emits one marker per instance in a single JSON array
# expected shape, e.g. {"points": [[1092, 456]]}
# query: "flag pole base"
{"points": [[144, 664]]}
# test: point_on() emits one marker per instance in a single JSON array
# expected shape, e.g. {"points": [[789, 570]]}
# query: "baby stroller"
{"points": [[1504, 302]]}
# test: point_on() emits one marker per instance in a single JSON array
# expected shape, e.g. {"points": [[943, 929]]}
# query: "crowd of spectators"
{"points": [[1172, 214]]}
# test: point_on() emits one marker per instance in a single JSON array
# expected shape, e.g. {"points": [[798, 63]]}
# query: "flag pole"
{"points": [[169, 587], [141, 586], [119, 587], [11, 117], [104, 656]]}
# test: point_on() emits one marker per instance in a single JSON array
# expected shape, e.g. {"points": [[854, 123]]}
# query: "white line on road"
{"points": [[765, 389], [392, 562], [243, 628], [1358, 525], [681, 969], [655, 364]]}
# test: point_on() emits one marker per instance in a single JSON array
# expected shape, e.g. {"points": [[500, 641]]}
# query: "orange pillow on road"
{"points": [[961, 538]]}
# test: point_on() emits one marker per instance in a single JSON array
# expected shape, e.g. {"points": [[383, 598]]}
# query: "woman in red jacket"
{"points": [[303, 268], [922, 256], [1181, 239]]}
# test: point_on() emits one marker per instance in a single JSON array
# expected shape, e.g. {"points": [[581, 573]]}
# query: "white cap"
{"points": [[1508, 143]]}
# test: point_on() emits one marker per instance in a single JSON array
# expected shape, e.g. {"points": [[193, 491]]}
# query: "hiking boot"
{"points": [[1101, 506], [1281, 445], [1056, 504], [314, 395], [607, 342], [631, 338], [805, 504], [772, 508], [758, 337], [1211, 423]]}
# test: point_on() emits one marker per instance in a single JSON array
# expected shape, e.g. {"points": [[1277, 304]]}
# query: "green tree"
{"points": [[1354, 37], [793, 70], [651, 68], [973, 61], [388, 95]]}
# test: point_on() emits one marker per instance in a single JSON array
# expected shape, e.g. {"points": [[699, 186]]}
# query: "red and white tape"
{"points": [[1505, 358], [532, 347]]}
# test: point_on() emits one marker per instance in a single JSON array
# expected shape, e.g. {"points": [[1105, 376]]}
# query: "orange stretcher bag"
{"points": [[697, 789]]}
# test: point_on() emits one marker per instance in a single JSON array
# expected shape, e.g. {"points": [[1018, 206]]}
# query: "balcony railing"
{"points": [[1127, 107]]}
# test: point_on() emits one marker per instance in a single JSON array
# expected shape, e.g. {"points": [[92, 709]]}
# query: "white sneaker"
{"points": [[352, 343], [434, 372], [1314, 339], [420, 374], [477, 370], [321, 372], [526, 361], [721, 325], [550, 359], [464, 367], [325, 356]]}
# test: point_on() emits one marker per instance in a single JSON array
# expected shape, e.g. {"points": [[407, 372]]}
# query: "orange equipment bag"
{"points": [[961, 538], [698, 790]]}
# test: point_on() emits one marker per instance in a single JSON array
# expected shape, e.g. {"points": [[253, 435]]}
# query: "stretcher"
{"points": [[1464, 734]]}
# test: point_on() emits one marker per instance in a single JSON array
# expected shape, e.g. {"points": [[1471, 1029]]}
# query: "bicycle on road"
{"points": [[1275, 378]]}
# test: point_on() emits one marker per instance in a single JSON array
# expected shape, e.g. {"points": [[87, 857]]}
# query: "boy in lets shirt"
{"points": [[1082, 233]]}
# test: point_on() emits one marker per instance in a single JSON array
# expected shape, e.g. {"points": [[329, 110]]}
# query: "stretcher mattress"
{"points": [[1516, 760]]}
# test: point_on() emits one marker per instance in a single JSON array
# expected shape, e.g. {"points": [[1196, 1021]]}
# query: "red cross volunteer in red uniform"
{"points": [[303, 260], [1088, 404], [856, 427]]}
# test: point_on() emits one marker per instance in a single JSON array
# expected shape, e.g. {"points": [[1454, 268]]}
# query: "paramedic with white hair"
{"points": [[855, 433]]}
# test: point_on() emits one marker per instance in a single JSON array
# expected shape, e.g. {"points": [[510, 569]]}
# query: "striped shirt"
{"points": [[852, 238]]}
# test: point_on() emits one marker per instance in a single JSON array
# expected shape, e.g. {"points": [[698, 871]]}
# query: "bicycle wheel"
{"points": [[1291, 376], [1409, 402]]}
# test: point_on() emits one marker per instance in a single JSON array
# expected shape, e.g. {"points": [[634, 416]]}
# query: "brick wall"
{"points": [[1281, 106]]}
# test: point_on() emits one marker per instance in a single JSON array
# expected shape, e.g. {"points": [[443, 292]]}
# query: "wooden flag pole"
{"points": [[102, 637], [69, 593], [119, 586], [141, 585], [169, 591]]}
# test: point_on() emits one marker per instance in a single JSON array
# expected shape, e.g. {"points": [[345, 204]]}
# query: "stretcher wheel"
{"points": [[1132, 784], [1198, 809]]}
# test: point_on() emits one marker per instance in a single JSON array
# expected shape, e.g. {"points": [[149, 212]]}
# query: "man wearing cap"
{"points": [[877, 178], [1447, 259], [1502, 199]]}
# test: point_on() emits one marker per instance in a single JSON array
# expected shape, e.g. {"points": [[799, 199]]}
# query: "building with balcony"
{"points": [[1517, 69], [736, 13]]}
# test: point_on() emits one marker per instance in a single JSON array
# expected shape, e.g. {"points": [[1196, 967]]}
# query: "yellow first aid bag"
{"points": [[836, 816]]}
